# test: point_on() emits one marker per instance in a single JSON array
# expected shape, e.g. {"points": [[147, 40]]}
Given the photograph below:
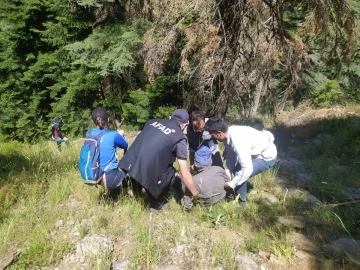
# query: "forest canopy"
{"points": [[142, 59]]}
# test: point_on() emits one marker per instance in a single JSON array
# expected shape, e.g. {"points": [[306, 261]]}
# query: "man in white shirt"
{"points": [[248, 152]]}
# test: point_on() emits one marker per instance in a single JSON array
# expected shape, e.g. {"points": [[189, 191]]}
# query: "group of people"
{"points": [[149, 161]]}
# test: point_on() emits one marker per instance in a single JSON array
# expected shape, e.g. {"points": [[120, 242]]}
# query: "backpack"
{"points": [[89, 165]]}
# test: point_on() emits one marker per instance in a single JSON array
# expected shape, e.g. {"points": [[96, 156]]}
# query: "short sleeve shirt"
{"points": [[180, 150]]}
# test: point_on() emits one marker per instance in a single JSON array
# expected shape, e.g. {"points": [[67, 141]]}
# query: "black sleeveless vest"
{"points": [[149, 160]]}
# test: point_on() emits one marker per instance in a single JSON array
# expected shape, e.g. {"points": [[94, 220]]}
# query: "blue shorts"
{"points": [[113, 179]]}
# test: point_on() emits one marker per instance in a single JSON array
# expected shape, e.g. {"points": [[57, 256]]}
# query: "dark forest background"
{"points": [[142, 59]]}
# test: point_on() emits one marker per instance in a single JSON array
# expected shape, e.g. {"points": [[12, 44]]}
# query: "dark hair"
{"points": [[215, 124], [100, 117], [196, 116]]}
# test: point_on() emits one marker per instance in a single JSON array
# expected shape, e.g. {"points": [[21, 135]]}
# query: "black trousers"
{"points": [[172, 189]]}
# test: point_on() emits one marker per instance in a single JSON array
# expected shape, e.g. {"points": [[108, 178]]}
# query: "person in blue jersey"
{"points": [[108, 159]]}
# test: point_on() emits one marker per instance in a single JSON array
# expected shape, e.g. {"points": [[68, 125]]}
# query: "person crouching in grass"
{"points": [[209, 180]]}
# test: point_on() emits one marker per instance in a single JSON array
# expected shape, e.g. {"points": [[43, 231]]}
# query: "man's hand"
{"points": [[187, 178], [226, 185], [195, 196]]}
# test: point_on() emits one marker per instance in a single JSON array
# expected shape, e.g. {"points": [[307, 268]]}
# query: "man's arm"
{"points": [[243, 151], [187, 178], [120, 141]]}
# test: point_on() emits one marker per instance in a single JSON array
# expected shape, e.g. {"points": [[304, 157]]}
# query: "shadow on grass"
{"points": [[10, 165]]}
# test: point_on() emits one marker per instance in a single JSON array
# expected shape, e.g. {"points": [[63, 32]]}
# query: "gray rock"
{"points": [[70, 223], [304, 195], [300, 242], [264, 254], [292, 221], [253, 192], [120, 265], [303, 176], [290, 164], [246, 263], [95, 245], [85, 222], [282, 182], [179, 249], [293, 165], [277, 260], [169, 267], [344, 246], [353, 194], [293, 151], [59, 223], [10, 255], [268, 198], [318, 140]]}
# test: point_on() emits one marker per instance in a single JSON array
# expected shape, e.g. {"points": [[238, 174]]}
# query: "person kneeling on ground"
{"points": [[209, 180], [113, 177], [149, 160], [248, 152]]}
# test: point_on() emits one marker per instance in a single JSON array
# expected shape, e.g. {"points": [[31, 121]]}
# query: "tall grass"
{"points": [[40, 186]]}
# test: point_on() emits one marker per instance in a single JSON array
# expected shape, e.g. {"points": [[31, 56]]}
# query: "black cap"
{"points": [[99, 114], [180, 115]]}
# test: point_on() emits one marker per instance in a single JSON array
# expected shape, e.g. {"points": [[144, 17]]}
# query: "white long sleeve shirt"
{"points": [[243, 142]]}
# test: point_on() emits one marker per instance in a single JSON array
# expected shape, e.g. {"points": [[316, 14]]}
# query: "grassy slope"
{"points": [[40, 186]]}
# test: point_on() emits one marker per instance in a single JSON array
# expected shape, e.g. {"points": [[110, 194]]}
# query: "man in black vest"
{"points": [[149, 160]]}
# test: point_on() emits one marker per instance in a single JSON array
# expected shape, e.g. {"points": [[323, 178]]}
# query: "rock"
{"points": [[179, 249], [70, 223], [304, 195], [85, 223], [253, 192], [303, 255], [277, 260], [303, 177], [300, 241], [293, 151], [292, 221], [264, 254], [169, 267], [7, 259], [353, 194], [344, 246], [95, 245], [268, 198], [293, 165], [290, 164], [318, 140], [263, 267], [59, 223], [282, 182], [246, 262], [120, 265]]}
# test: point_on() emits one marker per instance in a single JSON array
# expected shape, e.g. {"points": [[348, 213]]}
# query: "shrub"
{"points": [[327, 95]]}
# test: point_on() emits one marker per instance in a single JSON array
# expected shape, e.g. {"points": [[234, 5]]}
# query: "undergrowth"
{"points": [[40, 186]]}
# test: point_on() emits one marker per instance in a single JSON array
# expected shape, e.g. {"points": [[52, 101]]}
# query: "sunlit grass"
{"points": [[41, 186]]}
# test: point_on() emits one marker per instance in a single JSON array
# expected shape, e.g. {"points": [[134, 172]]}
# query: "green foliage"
{"points": [[327, 95], [136, 111], [108, 50]]}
